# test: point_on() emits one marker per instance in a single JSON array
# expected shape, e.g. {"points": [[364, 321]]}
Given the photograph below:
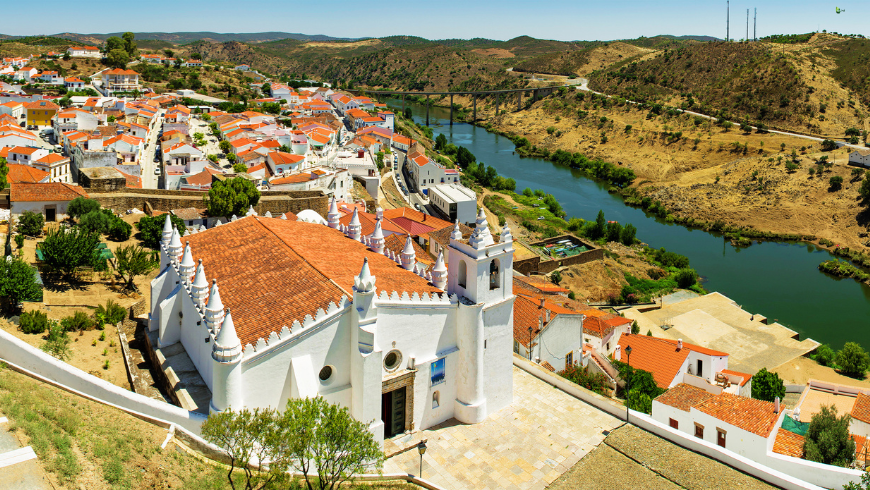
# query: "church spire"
{"points": [[377, 238], [167, 231], [439, 272], [481, 237], [187, 267], [409, 256], [365, 281], [214, 310], [354, 229], [199, 288], [175, 247], [332, 217], [227, 347]]}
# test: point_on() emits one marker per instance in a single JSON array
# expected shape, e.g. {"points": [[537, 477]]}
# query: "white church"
{"points": [[270, 309]]}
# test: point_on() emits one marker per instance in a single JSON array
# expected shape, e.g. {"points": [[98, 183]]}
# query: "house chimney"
{"points": [[547, 313], [542, 302], [537, 360], [776, 405], [679, 344], [617, 352]]}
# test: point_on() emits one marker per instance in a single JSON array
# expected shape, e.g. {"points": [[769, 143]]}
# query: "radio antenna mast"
{"points": [[727, 20], [755, 25], [747, 25]]}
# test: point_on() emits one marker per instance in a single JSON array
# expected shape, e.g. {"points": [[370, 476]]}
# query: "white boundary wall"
{"points": [[776, 469], [33, 361]]}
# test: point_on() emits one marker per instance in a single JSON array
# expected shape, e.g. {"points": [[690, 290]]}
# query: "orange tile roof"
{"points": [[23, 150], [52, 158], [594, 325], [52, 191], [789, 444], [282, 158], [660, 356], [549, 367], [42, 105], [118, 71], [684, 397], [396, 243], [133, 182], [413, 215], [529, 313], [539, 284], [861, 409], [202, 178], [291, 270], [745, 377], [24, 173], [755, 416], [368, 220]]}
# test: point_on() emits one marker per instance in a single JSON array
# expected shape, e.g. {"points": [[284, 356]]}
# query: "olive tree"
{"points": [[133, 261], [827, 440], [767, 386], [853, 360], [17, 283], [231, 197]]}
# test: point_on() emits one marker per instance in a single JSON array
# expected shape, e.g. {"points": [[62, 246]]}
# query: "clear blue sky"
{"points": [[503, 19]]}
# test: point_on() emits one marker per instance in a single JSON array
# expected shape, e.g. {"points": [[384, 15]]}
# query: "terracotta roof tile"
{"points": [[396, 243], [291, 269], [861, 409], [51, 191], [755, 416], [24, 173], [549, 367], [684, 397], [660, 356], [745, 377], [789, 444]]}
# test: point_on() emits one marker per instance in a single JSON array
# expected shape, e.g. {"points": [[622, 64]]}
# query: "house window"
{"points": [[437, 371], [699, 431], [569, 360], [674, 424], [720, 437], [436, 400], [463, 271], [516, 347]]}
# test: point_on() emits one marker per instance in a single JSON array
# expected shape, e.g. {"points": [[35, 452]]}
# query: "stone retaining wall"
{"points": [[545, 266], [275, 202]]}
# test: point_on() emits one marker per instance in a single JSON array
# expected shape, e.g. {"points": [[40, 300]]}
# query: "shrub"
{"points": [[19, 241], [96, 221], [853, 360], [112, 312], [57, 342], [81, 206], [31, 223], [120, 230], [824, 355], [686, 278], [639, 401], [580, 375], [767, 386], [828, 145], [78, 322], [827, 440], [33, 322], [835, 182]]}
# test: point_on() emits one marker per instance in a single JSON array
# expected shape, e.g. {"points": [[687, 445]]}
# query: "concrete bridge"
{"points": [[536, 93]]}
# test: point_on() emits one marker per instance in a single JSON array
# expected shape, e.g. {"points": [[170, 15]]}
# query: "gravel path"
{"points": [[637, 459]]}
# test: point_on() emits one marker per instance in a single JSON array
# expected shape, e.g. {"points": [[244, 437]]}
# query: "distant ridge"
{"points": [[186, 37]]}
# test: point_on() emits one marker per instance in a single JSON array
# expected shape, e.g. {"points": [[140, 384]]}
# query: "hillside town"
{"points": [[366, 272]]}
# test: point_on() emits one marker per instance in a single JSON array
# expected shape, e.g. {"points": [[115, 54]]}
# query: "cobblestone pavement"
{"points": [[525, 446], [631, 458]]}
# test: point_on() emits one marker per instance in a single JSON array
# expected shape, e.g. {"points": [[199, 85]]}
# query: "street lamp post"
{"points": [[421, 448], [627, 381], [530, 343]]}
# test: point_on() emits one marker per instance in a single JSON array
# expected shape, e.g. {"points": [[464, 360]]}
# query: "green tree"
{"points": [[767, 386], [4, 171], [225, 146], [133, 261], [639, 401], [246, 437], [853, 360], [409, 115], [628, 234], [231, 157], [320, 437], [556, 277], [151, 228], [96, 221], [835, 183], [824, 355], [864, 189], [115, 42], [827, 440], [600, 224], [828, 145], [440, 142], [17, 283], [119, 230], [686, 278], [130, 44], [31, 223], [240, 168], [117, 58], [231, 197], [635, 328], [81, 206], [66, 249]]}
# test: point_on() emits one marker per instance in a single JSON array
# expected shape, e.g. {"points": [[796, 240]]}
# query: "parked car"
{"points": [[157, 171]]}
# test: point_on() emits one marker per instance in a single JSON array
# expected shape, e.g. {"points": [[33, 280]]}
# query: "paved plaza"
{"points": [[525, 446]]}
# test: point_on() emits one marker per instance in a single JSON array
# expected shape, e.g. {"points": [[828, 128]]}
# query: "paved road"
{"points": [[146, 162], [19, 469], [584, 85]]}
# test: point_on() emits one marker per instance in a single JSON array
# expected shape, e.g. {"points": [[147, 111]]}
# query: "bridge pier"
{"points": [[427, 110], [535, 99], [474, 102], [497, 97], [519, 101], [403, 105], [451, 109]]}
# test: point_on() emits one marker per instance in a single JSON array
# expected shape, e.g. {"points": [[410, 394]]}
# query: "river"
{"points": [[778, 280]]}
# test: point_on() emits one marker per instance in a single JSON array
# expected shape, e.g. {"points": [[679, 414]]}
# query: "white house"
{"points": [[50, 77], [428, 173], [192, 64], [389, 119], [50, 199], [12, 108], [25, 74], [180, 154], [860, 157], [672, 362], [330, 313], [743, 425], [73, 83], [57, 166], [26, 154], [455, 201], [84, 52]]}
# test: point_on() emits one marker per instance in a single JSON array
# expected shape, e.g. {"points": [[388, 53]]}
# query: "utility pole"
{"points": [[755, 25], [727, 20], [747, 25]]}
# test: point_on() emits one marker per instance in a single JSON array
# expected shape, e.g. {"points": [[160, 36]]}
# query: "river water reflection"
{"points": [[778, 280]]}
